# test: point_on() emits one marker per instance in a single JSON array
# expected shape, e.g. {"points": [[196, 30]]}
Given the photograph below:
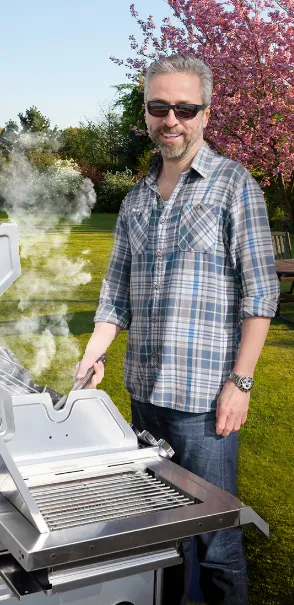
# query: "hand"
{"points": [[85, 364], [231, 410]]}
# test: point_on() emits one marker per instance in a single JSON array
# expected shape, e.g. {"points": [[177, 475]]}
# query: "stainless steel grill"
{"points": [[105, 498]]}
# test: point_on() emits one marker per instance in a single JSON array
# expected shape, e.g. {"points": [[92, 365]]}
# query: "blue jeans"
{"points": [[223, 577]]}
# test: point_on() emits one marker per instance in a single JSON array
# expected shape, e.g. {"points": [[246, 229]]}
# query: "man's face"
{"points": [[176, 138]]}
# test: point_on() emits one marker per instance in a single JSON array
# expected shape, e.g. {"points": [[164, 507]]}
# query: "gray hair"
{"points": [[183, 63]]}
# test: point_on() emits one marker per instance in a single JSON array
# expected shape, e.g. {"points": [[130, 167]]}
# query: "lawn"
{"points": [[266, 450]]}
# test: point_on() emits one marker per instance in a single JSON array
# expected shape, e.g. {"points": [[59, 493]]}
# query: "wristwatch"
{"points": [[244, 383]]}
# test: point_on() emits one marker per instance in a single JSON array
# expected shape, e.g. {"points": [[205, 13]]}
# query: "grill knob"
{"points": [[147, 438], [165, 450]]}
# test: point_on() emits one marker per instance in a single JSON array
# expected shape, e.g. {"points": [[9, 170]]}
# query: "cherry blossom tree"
{"points": [[249, 47]]}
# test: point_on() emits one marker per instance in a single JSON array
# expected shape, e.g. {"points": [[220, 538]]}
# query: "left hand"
{"points": [[231, 410]]}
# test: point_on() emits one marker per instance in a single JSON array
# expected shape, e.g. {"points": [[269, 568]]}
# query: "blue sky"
{"points": [[55, 54]]}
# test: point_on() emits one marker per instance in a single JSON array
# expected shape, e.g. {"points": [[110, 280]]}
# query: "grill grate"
{"points": [[12, 375], [103, 499]]}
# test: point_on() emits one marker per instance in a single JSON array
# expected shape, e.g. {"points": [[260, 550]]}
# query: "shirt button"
{"points": [[158, 253], [154, 320], [162, 220], [153, 354], [156, 286]]}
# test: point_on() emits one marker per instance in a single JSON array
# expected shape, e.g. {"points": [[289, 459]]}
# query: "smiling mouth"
{"points": [[170, 136]]}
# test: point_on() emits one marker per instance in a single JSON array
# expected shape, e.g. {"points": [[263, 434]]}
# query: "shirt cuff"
{"points": [[113, 315], [254, 306]]}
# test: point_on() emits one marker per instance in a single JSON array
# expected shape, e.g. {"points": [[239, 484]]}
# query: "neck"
{"points": [[172, 168]]}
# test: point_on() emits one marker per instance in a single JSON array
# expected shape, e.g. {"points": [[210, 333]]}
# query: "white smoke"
{"points": [[45, 202]]}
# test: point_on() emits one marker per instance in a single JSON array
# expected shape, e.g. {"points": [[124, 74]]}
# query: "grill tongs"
{"points": [[82, 383], [20, 380]]}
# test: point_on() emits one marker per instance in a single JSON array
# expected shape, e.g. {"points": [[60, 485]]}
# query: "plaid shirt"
{"points": [[182, 276]]}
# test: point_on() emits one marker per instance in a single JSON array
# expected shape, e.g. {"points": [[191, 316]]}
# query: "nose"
{"points": [[171, 120]]}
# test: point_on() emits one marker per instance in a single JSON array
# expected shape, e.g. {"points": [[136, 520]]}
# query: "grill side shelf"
{"points": [[20, 582]]}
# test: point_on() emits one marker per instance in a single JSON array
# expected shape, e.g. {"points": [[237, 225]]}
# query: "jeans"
{"points": [[223, 577]]}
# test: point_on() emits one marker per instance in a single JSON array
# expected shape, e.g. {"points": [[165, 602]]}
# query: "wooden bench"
{"points": [[282, 250]]}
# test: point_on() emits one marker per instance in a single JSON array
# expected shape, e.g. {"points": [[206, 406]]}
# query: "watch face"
{"points": [[246, 383]]}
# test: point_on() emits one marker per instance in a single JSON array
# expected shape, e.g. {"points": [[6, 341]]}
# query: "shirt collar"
{"points": [[201, 163], [203, 159]]}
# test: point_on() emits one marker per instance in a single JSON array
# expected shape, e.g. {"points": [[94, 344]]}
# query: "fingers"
{"points": [[83, 366], [220, 423], [244, 418], [98, 376], [225, 424], [231, 410]]}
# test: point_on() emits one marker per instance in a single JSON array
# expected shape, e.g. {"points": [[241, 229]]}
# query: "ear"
{"points": [[206, 114]]}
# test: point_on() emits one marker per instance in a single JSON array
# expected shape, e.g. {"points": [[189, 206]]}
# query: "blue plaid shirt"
{"points": [[183, 275]]}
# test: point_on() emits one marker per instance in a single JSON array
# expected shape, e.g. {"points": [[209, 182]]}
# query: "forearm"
{"points": [[103, 335], [254, 332]]}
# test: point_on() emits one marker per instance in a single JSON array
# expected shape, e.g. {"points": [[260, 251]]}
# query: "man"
{"points": [[192, 278]]}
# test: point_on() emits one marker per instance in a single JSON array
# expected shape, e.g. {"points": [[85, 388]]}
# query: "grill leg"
{"points": [[158, 586]]}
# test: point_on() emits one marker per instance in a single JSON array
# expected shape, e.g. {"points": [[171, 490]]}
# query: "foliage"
{"points": [[136, 142], [33, 139], [8, 137], [33, 121], [95, 144], [145, 162], [113, 188], [249, 46], [131, 98], [32, 174]]}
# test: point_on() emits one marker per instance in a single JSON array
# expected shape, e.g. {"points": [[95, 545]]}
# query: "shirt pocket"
{"points": [[138, 230], [198, 228]]}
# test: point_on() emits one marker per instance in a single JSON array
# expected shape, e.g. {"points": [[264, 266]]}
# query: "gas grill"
{"points": [[91, 510]]}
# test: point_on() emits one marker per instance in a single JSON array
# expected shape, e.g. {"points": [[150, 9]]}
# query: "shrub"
{"points": [[112, 190]]}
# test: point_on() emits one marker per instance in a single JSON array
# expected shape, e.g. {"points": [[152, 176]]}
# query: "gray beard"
{"points": [[170, 152]]}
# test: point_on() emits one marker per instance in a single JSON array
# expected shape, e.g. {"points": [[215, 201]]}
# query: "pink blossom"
{"points": [[249, 46]]}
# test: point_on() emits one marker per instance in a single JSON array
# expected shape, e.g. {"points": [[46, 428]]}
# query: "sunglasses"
{"points": [[182, 111]]}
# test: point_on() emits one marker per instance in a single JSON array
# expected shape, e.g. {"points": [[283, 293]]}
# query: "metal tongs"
{"points": [[82, 383]]}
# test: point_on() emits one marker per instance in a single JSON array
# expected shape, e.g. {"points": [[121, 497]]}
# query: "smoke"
{"points": [[45, 199]]}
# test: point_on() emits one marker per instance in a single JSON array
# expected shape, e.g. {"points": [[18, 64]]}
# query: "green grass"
{"points": [[266, 450]]}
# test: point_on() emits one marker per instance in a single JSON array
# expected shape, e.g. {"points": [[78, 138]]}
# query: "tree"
{"points": [[34, 138], [34, 121], [94, 144], [136, 145], [249, 46], [8, 136]]}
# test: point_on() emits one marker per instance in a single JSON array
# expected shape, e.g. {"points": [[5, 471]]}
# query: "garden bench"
{"points": [[284, 262]]}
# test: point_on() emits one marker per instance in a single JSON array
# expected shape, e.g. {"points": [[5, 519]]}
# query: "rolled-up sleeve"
{"points": [[114, 302], [251, 251]]}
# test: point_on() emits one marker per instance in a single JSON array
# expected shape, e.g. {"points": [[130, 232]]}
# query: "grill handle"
{"points": [[7, 426], [83, 575]]}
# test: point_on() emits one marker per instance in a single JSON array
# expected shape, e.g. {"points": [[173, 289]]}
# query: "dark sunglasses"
{"points": [[182, 111]]}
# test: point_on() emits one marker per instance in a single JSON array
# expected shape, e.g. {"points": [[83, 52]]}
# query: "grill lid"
{"points": [[10, 261]]}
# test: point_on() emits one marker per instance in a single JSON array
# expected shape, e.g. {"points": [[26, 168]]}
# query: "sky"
{"points": [[55, 55]]}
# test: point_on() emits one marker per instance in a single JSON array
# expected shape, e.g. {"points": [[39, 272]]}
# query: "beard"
{"points": [[171, 151]]}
